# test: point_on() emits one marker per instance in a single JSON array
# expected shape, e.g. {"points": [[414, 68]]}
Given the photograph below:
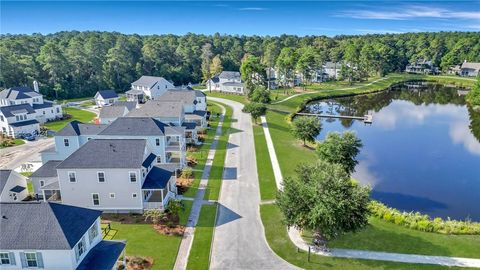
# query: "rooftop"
{"points": [[19, 92], [4, 175], [107, 94], [76, 128], [135, 126], [229, 75], [112, 111], [158, 108], [147, 81], [158, 177], [43, 226], [103, 256], [9, 111], [48, 169]]}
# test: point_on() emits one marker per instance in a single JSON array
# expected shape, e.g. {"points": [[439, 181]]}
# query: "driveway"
{"points": [[239, 241], [13, 157]]}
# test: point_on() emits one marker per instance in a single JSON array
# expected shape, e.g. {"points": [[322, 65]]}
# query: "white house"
{"points": [[227, 81], [108, 114], [45, 181], [41, 235], [23, 109], [105, 97], [194, 104], [122, 176], [148, 87], [13, 186], [421, 66], [470, 69]]}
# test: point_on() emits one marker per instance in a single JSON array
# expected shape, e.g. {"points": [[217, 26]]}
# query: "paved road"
{"points": [[239, 241], [13, 157]]}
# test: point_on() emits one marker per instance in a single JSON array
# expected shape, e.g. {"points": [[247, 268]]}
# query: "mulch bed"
{"points": [[139, 263], [183, 185], [124, 218], [176, 230]]}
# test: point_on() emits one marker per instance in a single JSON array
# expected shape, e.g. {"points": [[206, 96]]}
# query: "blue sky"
{"points": [[240, 17]]}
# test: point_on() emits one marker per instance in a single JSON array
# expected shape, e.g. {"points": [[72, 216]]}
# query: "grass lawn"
{"points": [[277, 237], [199, 257], [239, 98], [201, 154], [143, 240], [266, 178], [10, 142], [215, 179], [77, 114]]}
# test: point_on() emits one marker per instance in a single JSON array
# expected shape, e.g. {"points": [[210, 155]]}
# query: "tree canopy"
{"points": [[255, 109], [340, 149], [306, 128]]}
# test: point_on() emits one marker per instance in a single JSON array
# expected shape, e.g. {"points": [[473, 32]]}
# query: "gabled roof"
{"points": [[9, 111], [77, 128], [471, 65], [148, 161], [112, 111], [148, 81], [215, 79], [48, 169], [179, 95], [103, 256], [44, 105], [19, 92], [107, 153], [4, 175], [158, 108], [158, 177], [130, 105], [233, 84], [135, 126], [43, 226], [229, 75], [24, 123], [105, 94]]}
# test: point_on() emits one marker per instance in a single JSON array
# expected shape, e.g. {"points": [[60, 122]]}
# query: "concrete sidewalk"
{"points": [[187, 239], [296, 238]]}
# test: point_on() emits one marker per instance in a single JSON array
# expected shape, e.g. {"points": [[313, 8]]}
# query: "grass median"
{"points": [[199, 257], [77, 114]]}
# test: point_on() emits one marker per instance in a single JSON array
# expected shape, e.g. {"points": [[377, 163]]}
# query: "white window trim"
{"points": [[26, 259], [42, 183], [98, 177], [8, 257], [75, 176], [93, 200]]}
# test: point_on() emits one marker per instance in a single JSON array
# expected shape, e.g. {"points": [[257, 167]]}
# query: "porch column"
{"points": [[43, 193]]}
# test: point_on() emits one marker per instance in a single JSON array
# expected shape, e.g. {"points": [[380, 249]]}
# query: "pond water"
{"points": [[422, 151]]}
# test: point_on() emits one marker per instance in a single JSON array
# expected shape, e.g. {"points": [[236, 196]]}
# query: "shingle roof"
{"points": [[45, 104], [103, 256], [8, 111], [24, 123], [107, 94], [4, 175], [20, 92], [158, 177], [148, 161], [229, 75], [148, 81], [177, 95], [215, 79], [107, 153], [471, 65], [233, 84], [76, 128], [49, 169], [43, 226], [135, 126], [157, 108], [112, 111], [130, 105], [189, 125]]}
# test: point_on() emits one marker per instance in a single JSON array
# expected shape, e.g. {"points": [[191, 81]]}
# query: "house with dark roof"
{"points": [[45, 181], [13, 186], [227, 81], [105, 98], [124, 175], [44, 235], [108, 114], [23, 109], [148, 87]]}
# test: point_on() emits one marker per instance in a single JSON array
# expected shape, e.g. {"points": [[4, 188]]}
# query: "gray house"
{"points": [[13, 186], [40, 235]]}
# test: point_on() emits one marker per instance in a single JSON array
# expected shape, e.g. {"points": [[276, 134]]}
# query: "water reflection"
{"points": [[424, 143]]}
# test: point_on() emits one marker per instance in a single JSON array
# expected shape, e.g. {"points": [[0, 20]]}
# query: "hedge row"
{"points": [[421, 222]]}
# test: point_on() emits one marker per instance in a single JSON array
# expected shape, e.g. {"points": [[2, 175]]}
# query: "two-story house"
{"points": [[41, 235], [116, 175], [194, 104], [148, 87], [421, 66], [105, 98], [470, 69], [22, 109], [13, 186], [108, 114], [227, 81]]}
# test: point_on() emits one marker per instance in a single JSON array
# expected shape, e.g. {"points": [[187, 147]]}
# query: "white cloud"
{"points": [[252, 9], [460, 133]]}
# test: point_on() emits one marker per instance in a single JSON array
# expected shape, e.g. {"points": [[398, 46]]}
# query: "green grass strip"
{"points": [[199, 257], [77, 114], [266, 178]]}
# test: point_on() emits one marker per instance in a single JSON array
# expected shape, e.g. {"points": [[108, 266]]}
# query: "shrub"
{"points": [[187, 173], [417, 221]]}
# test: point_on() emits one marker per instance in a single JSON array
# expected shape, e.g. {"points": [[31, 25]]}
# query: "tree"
{"points": [[216, 66], [306, 128], [286, 61], [340, 149], [261, 95], [54, 63], [306, 62], [473, 97], [324, 199], [255, 109], [206, 61], [252, 72]]}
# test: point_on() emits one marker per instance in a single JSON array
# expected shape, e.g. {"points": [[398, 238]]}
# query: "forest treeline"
{"points": [[77, 64]]}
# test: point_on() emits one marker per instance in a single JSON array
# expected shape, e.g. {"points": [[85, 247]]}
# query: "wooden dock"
{"points": [[368, 119]]}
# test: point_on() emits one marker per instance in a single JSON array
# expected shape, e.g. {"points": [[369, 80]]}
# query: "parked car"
{"points": [[29, 137]]}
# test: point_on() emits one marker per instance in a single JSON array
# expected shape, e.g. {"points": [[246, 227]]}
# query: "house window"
{"points": [[72, 177], [31, 258], [95, 199], [58, 110], [134, 195], [101, 177], [1, 118], [157, 142], [42, 183], [112, 195], [93, 232], [159, 159], [133, 176], [4, 258], [66, 142], [80, 248]]}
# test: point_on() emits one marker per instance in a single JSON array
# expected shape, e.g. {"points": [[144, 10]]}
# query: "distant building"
{"points": [[13, 186], [330, 70], [470, 69], [227, 81], [105, 98], [41, 235], [421, 66], [148, 87], [22, 110]]}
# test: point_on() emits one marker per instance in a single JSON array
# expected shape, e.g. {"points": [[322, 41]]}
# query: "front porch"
{"points": [[159, 187], [51, 192]]}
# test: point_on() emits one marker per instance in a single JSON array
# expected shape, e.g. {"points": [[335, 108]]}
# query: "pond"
{"points": [[422, 151]]}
